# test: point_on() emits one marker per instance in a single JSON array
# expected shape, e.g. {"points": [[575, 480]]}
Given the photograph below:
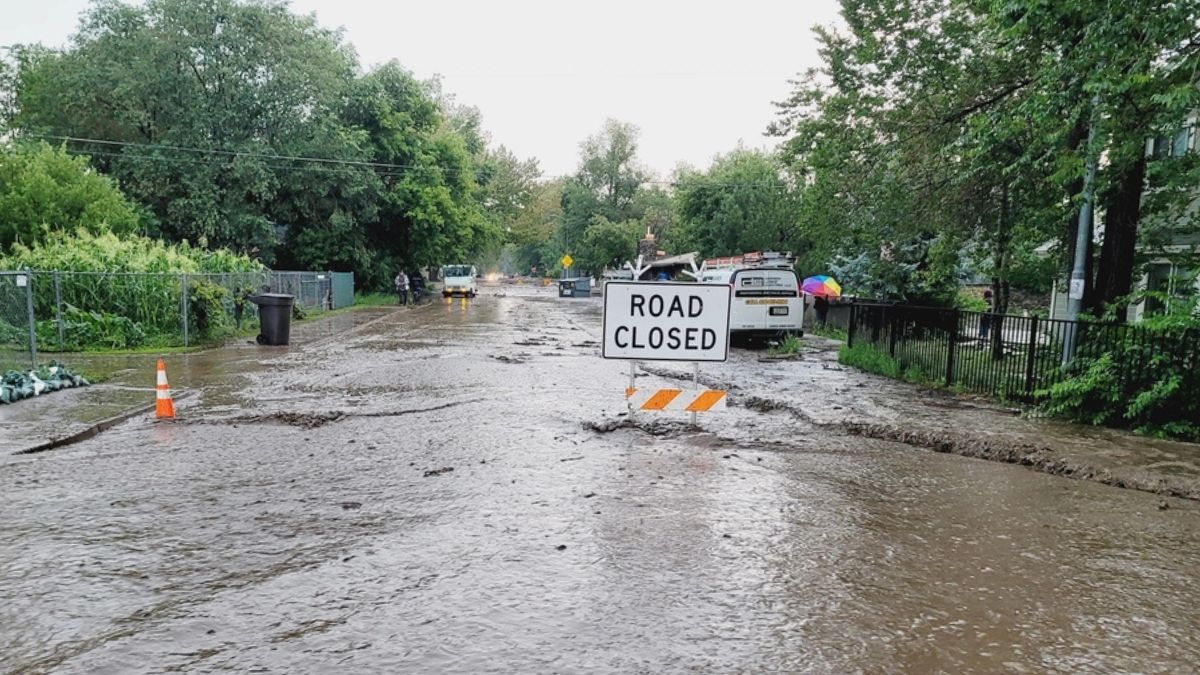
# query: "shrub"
{"points": [[84, 251], [45, 189], [10, 334], [206, 309], [84, 330], [1148, 385], [1148, 382], [133, 277]]}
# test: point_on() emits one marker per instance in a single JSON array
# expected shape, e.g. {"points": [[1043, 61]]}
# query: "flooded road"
{"points": [[429, 493]]}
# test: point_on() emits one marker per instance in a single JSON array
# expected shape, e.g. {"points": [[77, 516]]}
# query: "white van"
{"points": [[766, 303], [459, 280]]}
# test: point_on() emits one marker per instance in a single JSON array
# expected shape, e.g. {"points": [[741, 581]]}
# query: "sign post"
{"points": [[566, 261], [667, 322]]}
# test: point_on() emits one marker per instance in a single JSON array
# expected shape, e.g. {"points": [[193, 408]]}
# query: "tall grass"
{"points": [[865, 357], [103, 279], [827, 331]]}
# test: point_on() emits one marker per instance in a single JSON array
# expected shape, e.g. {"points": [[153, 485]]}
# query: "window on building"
{"points": [[1169, 287], [1173, 146]]}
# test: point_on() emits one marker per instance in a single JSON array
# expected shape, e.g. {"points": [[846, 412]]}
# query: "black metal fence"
{"points": [[1005, 355]]}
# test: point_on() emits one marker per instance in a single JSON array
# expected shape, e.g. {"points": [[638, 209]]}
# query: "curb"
{"points": [[95, 429]]}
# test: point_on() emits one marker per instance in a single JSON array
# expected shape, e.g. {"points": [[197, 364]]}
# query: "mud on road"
{"points": [[454, 488]]}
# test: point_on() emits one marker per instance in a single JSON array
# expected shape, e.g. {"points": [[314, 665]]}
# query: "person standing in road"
{"points": [[402, 287], [418, 285], [821, 305]]}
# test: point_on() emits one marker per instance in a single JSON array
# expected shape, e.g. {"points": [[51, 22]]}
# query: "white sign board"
{"points": [[1076, 290], [662, 321]]}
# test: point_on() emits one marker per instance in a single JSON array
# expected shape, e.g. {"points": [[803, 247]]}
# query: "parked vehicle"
{"points": [[766, 304], [459, 280]]}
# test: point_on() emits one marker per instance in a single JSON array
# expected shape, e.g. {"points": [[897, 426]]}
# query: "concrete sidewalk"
{"points": [[128, 388]]}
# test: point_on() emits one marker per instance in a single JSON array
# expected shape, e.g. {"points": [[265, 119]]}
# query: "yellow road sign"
{"points": [[567, 260]]}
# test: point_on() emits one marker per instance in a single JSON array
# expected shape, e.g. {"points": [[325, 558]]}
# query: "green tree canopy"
{"points": [[235, 83], [44, 189], [944, 132], [610, 184], [241, 124], [608, 244], [741, 203]]}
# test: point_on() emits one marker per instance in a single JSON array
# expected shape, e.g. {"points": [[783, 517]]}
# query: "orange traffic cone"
{"points": [[165, 407]]}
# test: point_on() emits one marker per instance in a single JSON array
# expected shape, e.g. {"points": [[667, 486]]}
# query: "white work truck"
{"points": [[459, 280], [766, 303]]}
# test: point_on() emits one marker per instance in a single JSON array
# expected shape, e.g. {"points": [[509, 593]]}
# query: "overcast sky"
{"points": [[696, 79]]}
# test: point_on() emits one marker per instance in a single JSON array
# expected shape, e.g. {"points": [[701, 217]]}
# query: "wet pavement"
{"points": [[125, 383], [445, 489]]}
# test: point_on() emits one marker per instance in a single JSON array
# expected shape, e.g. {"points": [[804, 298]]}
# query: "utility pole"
{"points": [[1083, 237]]}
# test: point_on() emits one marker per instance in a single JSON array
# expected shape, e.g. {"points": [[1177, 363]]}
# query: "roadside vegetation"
{"points": [[124, 292], [827, 331], [790, 346], [375, 299], [874, 361], [1144, 381], [1149, 386]]}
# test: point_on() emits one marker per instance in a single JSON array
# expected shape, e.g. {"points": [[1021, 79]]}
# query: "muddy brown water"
{"points": [[303, 518]]}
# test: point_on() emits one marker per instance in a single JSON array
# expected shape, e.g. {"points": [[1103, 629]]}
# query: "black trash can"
{"points": [[274, 317]]}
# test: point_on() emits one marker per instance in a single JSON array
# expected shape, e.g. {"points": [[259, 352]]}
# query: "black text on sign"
{"points": [[658, 321]]}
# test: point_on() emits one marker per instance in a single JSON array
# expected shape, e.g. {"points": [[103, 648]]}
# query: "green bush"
{"points": [[89, 330], [45, 189], [10, 334], [1145, 385], [206, 310], [968, 301], [1148, 382], [134, 277], [84, 251]]}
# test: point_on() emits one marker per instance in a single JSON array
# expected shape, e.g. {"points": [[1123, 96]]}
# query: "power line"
{"points": [[384, 169], [201, 162], [228, 153]]}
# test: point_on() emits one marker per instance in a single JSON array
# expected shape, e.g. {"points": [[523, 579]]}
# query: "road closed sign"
{"points": [[658, 321]]}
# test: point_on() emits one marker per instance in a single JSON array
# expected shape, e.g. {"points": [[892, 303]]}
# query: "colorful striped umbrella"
{"points": [[821, 286]]}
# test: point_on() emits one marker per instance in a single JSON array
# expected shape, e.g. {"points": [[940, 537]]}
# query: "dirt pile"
{"points": [[652, 426], [291, 419], [1038, 457]]}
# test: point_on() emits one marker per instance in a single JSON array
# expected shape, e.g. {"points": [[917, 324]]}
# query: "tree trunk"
{"points": [[1114, 279], [1000, 280]]}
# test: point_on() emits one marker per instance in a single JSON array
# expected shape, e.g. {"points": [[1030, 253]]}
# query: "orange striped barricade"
{"points": [[678, 400]]}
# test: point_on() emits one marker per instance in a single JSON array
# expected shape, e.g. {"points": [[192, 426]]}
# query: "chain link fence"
{"points": [[18, 349], [62, 311]]}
